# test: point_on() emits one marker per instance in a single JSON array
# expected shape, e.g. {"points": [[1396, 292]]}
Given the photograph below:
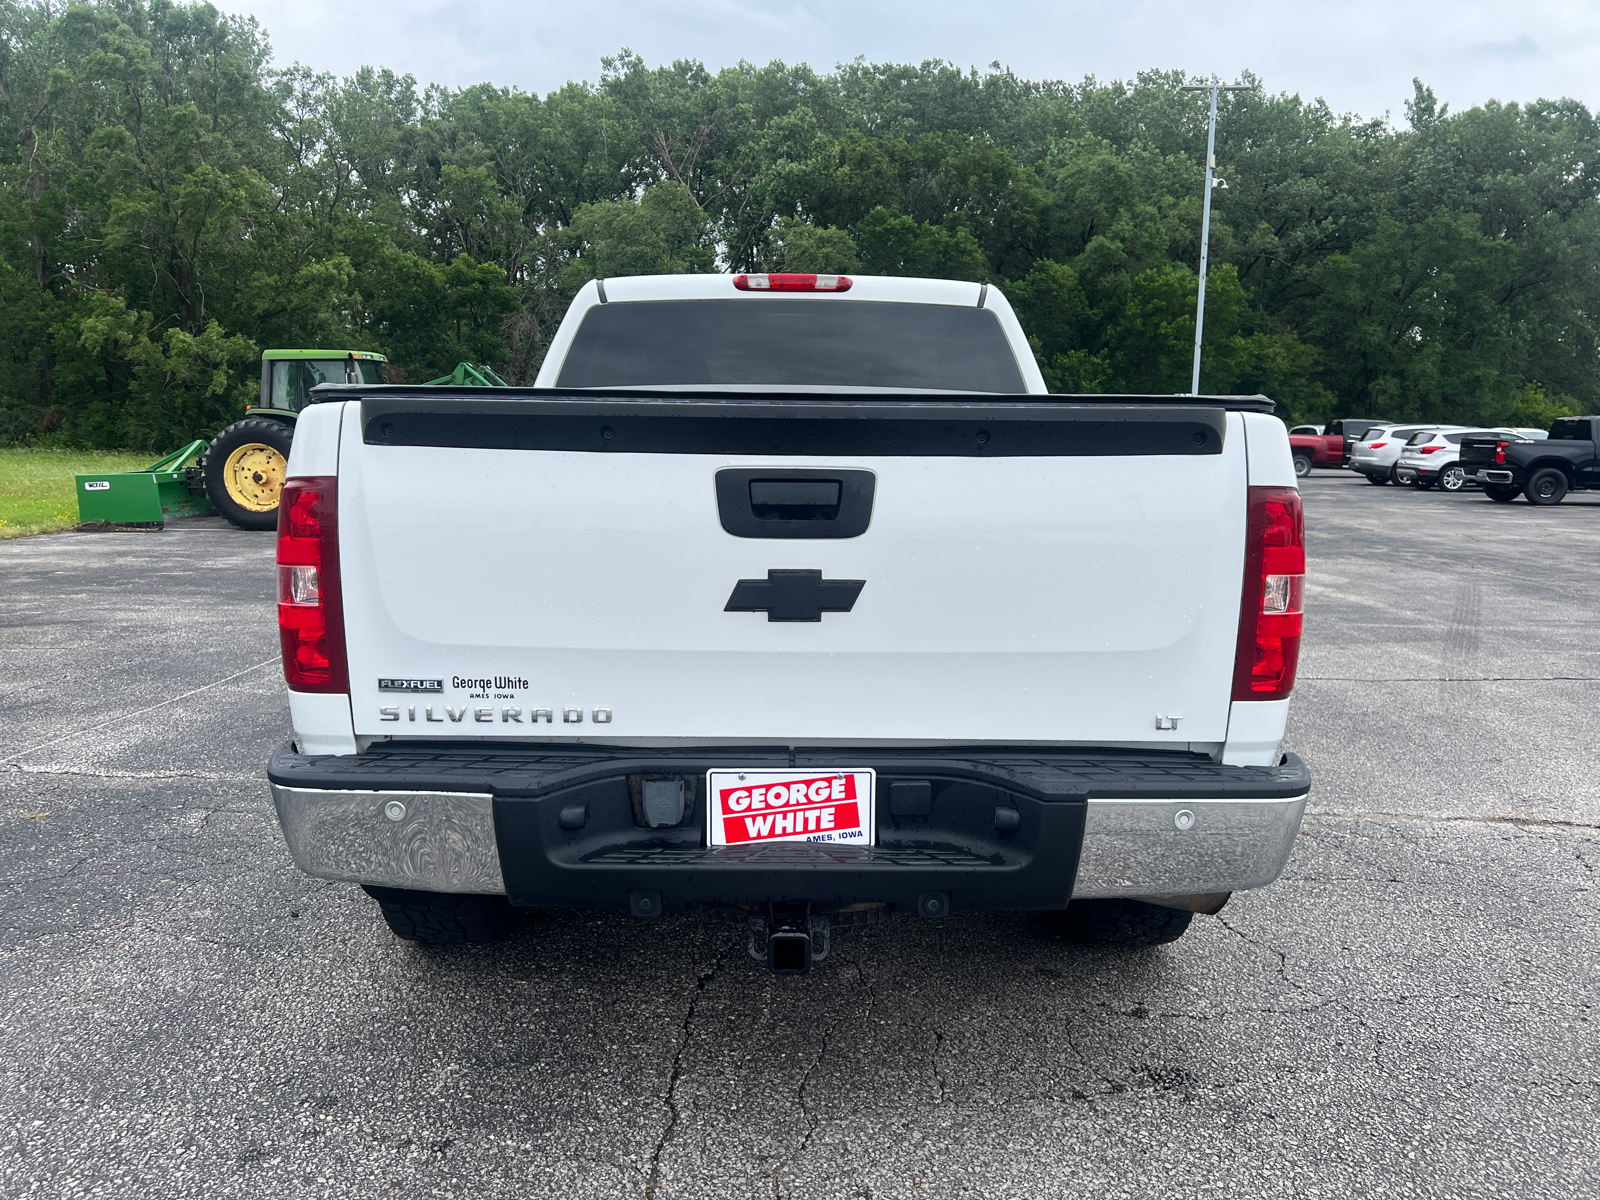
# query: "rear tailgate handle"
{"points": [[795, 503]]}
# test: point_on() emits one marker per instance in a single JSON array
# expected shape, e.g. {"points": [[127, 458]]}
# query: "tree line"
{"points": [[171, 204]]}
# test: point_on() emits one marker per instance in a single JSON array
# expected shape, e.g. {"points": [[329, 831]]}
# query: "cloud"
{"points": [[1358, 54], [1522, 47]]}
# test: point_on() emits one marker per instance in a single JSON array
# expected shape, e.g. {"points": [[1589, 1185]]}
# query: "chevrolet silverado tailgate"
{"points": [[634, 568]]}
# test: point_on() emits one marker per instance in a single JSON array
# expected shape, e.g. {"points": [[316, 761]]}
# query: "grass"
{"points": [[37, 493]]}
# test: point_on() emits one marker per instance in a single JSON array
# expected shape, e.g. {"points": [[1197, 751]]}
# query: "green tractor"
{"points": [[245, 464], [241, 471]]}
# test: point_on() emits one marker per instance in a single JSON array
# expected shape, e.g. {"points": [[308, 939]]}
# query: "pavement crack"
{"points": [[1467, 818], [156, 776], [653, 1181], [938, 1073], [1112, 1087], [127, 716], [813, 1122], [872, 992], [32, 879], [1281, 955]]}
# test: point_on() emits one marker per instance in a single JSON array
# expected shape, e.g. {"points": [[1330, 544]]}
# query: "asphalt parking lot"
{"points": [[1410, 1011]]}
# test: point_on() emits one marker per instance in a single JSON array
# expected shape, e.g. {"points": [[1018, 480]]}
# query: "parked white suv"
{"points": [[1433, 457], [793, 599], [1376, 454]]}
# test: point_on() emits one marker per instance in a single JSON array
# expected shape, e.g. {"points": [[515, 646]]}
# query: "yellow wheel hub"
{"points": [[253, 476]]}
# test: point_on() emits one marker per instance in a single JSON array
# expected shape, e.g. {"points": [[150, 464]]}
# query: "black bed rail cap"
{"points": [[840, 401], [946, 426]]}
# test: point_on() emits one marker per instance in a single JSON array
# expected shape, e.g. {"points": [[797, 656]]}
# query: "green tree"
{"points": [[798, 246], [1533, 409], [168, 200], [1410, 325], [430, 316], [664, 233], [902, 245]]}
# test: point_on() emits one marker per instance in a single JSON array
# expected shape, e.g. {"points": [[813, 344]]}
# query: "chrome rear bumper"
{"points": [[426, 841], [1141, 848], [446, 842]]}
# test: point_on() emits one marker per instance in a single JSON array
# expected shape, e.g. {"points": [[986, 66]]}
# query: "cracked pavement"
{"points": [[1410, 1011]]}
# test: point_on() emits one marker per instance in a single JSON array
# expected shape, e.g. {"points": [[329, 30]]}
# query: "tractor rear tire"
{"points": [[245, 468]]}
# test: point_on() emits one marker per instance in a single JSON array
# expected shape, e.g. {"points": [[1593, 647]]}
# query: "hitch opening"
{"points": [[789, 953], [789, 938]]}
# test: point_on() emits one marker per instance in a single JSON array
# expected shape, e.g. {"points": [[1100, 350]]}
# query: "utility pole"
{"points": [[1205, 221]]}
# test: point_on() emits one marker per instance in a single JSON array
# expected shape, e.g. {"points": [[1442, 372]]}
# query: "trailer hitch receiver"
{"points": [[789, 938]]}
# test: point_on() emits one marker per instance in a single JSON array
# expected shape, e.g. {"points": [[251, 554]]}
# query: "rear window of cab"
{"points": [[1575, 429], [777, 342]]}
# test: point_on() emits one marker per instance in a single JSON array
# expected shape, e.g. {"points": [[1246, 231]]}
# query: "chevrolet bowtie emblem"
{"points": [[794, 595]]}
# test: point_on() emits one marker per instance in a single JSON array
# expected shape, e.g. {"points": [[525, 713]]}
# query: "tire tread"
{"points": [[267, 430], [1559, 490], [1127, 923], [441, 919]]}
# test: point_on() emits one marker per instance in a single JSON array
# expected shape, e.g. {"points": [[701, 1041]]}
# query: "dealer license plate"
{"points": [[791, 806]]}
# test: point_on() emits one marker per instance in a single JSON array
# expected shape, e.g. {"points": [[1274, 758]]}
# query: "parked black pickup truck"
{"points": [[1508, 467]]}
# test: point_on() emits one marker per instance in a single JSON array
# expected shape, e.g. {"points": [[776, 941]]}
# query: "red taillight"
{"points": [[1431, 449], [310, 613], [1274, 580], [1377, 445], [1500, 451], [792, 283]]}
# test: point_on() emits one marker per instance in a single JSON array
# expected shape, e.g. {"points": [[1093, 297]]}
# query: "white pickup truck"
{"points": [[794, 600]]}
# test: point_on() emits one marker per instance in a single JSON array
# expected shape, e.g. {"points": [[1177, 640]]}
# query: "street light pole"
{"points": [[1205, 221]]}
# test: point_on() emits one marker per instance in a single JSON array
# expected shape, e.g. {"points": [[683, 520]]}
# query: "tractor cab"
{"points": [[287, 376]]}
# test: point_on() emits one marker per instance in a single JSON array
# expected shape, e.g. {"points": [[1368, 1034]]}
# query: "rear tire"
{"points": [[1502, 493], [1452, 479], [1302, 465], [443, 919], [1546, 487], [1421, 484], [1127, 923], [1380, 480], [244, 471]]}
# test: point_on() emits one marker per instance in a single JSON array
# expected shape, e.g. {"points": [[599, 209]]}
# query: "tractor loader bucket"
{"points": [[468, 375], [167, 489]]}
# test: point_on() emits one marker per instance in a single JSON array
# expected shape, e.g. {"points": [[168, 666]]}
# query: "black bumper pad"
{"points": [[533, 771]]}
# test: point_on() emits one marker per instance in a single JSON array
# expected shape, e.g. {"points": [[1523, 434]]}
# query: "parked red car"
{"points": [[1329, 448]]}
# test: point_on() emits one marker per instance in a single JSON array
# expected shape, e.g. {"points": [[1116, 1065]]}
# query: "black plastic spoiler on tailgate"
{"points": [[674, 422]]}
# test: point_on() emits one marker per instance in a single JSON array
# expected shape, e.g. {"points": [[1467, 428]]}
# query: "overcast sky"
{"points": [[1359, 55]]}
